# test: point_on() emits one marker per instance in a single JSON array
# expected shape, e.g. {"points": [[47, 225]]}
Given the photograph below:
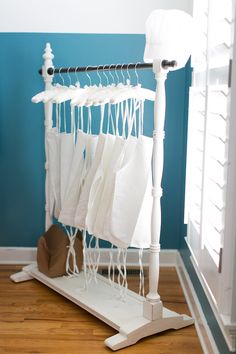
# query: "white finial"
{"points": [[48, 52], [47, 56]]}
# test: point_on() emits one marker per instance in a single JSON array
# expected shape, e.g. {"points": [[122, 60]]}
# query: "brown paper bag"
{"points": [[52, 252]]}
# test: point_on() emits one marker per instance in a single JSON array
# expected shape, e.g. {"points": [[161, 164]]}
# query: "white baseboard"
{"points": [[203, 331], [17, 255], [227, 326], [26, 255]]}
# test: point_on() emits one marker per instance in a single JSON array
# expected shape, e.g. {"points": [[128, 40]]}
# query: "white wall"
{"points": [[81, 16]]}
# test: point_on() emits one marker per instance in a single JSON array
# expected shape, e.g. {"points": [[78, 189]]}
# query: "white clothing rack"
{"points": [[139, 316]]}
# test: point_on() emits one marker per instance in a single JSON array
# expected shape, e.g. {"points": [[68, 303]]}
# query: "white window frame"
{"points": [[220, 287]]}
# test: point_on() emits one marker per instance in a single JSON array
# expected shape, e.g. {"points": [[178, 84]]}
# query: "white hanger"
{"points": [[80, 97], [130, 91], [47, 94], [43, 95], [133, 92], [68, 92], [105, 94], [92, 99]]}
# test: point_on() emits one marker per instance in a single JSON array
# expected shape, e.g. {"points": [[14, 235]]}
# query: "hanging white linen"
{"points": [[66, 156], [107, 191], [121, 144], [102, 223], [141, 237], [101, 209], [53, 143], [95, 174], [133, 156], [74, 183], [129, 192]]}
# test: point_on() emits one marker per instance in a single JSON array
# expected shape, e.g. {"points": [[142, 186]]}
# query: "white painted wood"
{"points": [[204, 334], [100, 299], [137, 317], [21, 277], [221, 281], [133, 331], [227, 303], [79, 16], [153, 307], [17, 255], [48, 57], [167, 258], [103, 301], [228, 328], [26, 255]]}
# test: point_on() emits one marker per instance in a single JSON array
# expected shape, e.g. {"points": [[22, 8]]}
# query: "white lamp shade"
{"points": [[169, 35]]}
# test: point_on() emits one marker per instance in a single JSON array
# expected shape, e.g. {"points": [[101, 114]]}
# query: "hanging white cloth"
{"points": [[53, 143], [102, 224], [101, 209], [129, 192], [74, 183], [90, 188], [121, 144], [142, 234], [66, 156], [103, 185]]}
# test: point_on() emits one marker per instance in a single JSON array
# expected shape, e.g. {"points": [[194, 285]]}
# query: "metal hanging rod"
{"points": [[51, 71]]}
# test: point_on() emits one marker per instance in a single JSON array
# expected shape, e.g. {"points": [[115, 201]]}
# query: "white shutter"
{"points": [[211, 160], [207, 159]]}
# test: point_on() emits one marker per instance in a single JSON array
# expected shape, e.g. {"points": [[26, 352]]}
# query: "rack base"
{"points": [[126, 317]]}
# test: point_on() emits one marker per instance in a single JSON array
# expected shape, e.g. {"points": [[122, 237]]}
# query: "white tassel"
{"points": [[141, 273], [74, 271]]}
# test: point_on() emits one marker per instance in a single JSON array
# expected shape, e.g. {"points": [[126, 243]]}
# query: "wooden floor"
{"points": [[34, 319]]}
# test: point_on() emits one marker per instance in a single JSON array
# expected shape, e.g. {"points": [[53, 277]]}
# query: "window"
{"points": [[210, 139]]}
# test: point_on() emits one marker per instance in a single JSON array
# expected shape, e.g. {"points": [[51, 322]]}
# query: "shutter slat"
{"points": [[209, 124]]}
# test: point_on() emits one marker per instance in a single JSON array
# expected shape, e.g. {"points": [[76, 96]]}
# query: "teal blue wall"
{"points": [[22, 127]]}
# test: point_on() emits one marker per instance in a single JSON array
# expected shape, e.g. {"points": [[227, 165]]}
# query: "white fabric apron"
{"points": [[142, 234], [82, 206], [128, 149], [53, 143], [74, 182], [95, 200], [107, 187], [129, 192]]}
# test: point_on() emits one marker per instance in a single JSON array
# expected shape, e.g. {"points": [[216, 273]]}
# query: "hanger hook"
{"points": [[111, 74], [135, 70], [128, 81], [122, 74], [105, 74], [100, 78], [118, 79], [86, 72], [63, 82], [68, 74], [77, 78]]}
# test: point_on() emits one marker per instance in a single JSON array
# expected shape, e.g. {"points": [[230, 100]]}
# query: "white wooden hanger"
{"points": [[46, 95]]}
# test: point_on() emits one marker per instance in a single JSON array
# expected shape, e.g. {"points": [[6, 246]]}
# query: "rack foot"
{"points": [[134, 331], [21, 276]]}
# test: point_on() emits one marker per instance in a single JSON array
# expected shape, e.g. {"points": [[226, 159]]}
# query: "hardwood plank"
{"points": [[35, 319]]}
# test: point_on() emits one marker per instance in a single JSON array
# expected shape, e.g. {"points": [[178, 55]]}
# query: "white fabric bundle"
{"points": [[53, 143], [130, 189], [74, 184], [83, 155], [102, 183], [100, 213], [92, 184], [66, 156]]}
